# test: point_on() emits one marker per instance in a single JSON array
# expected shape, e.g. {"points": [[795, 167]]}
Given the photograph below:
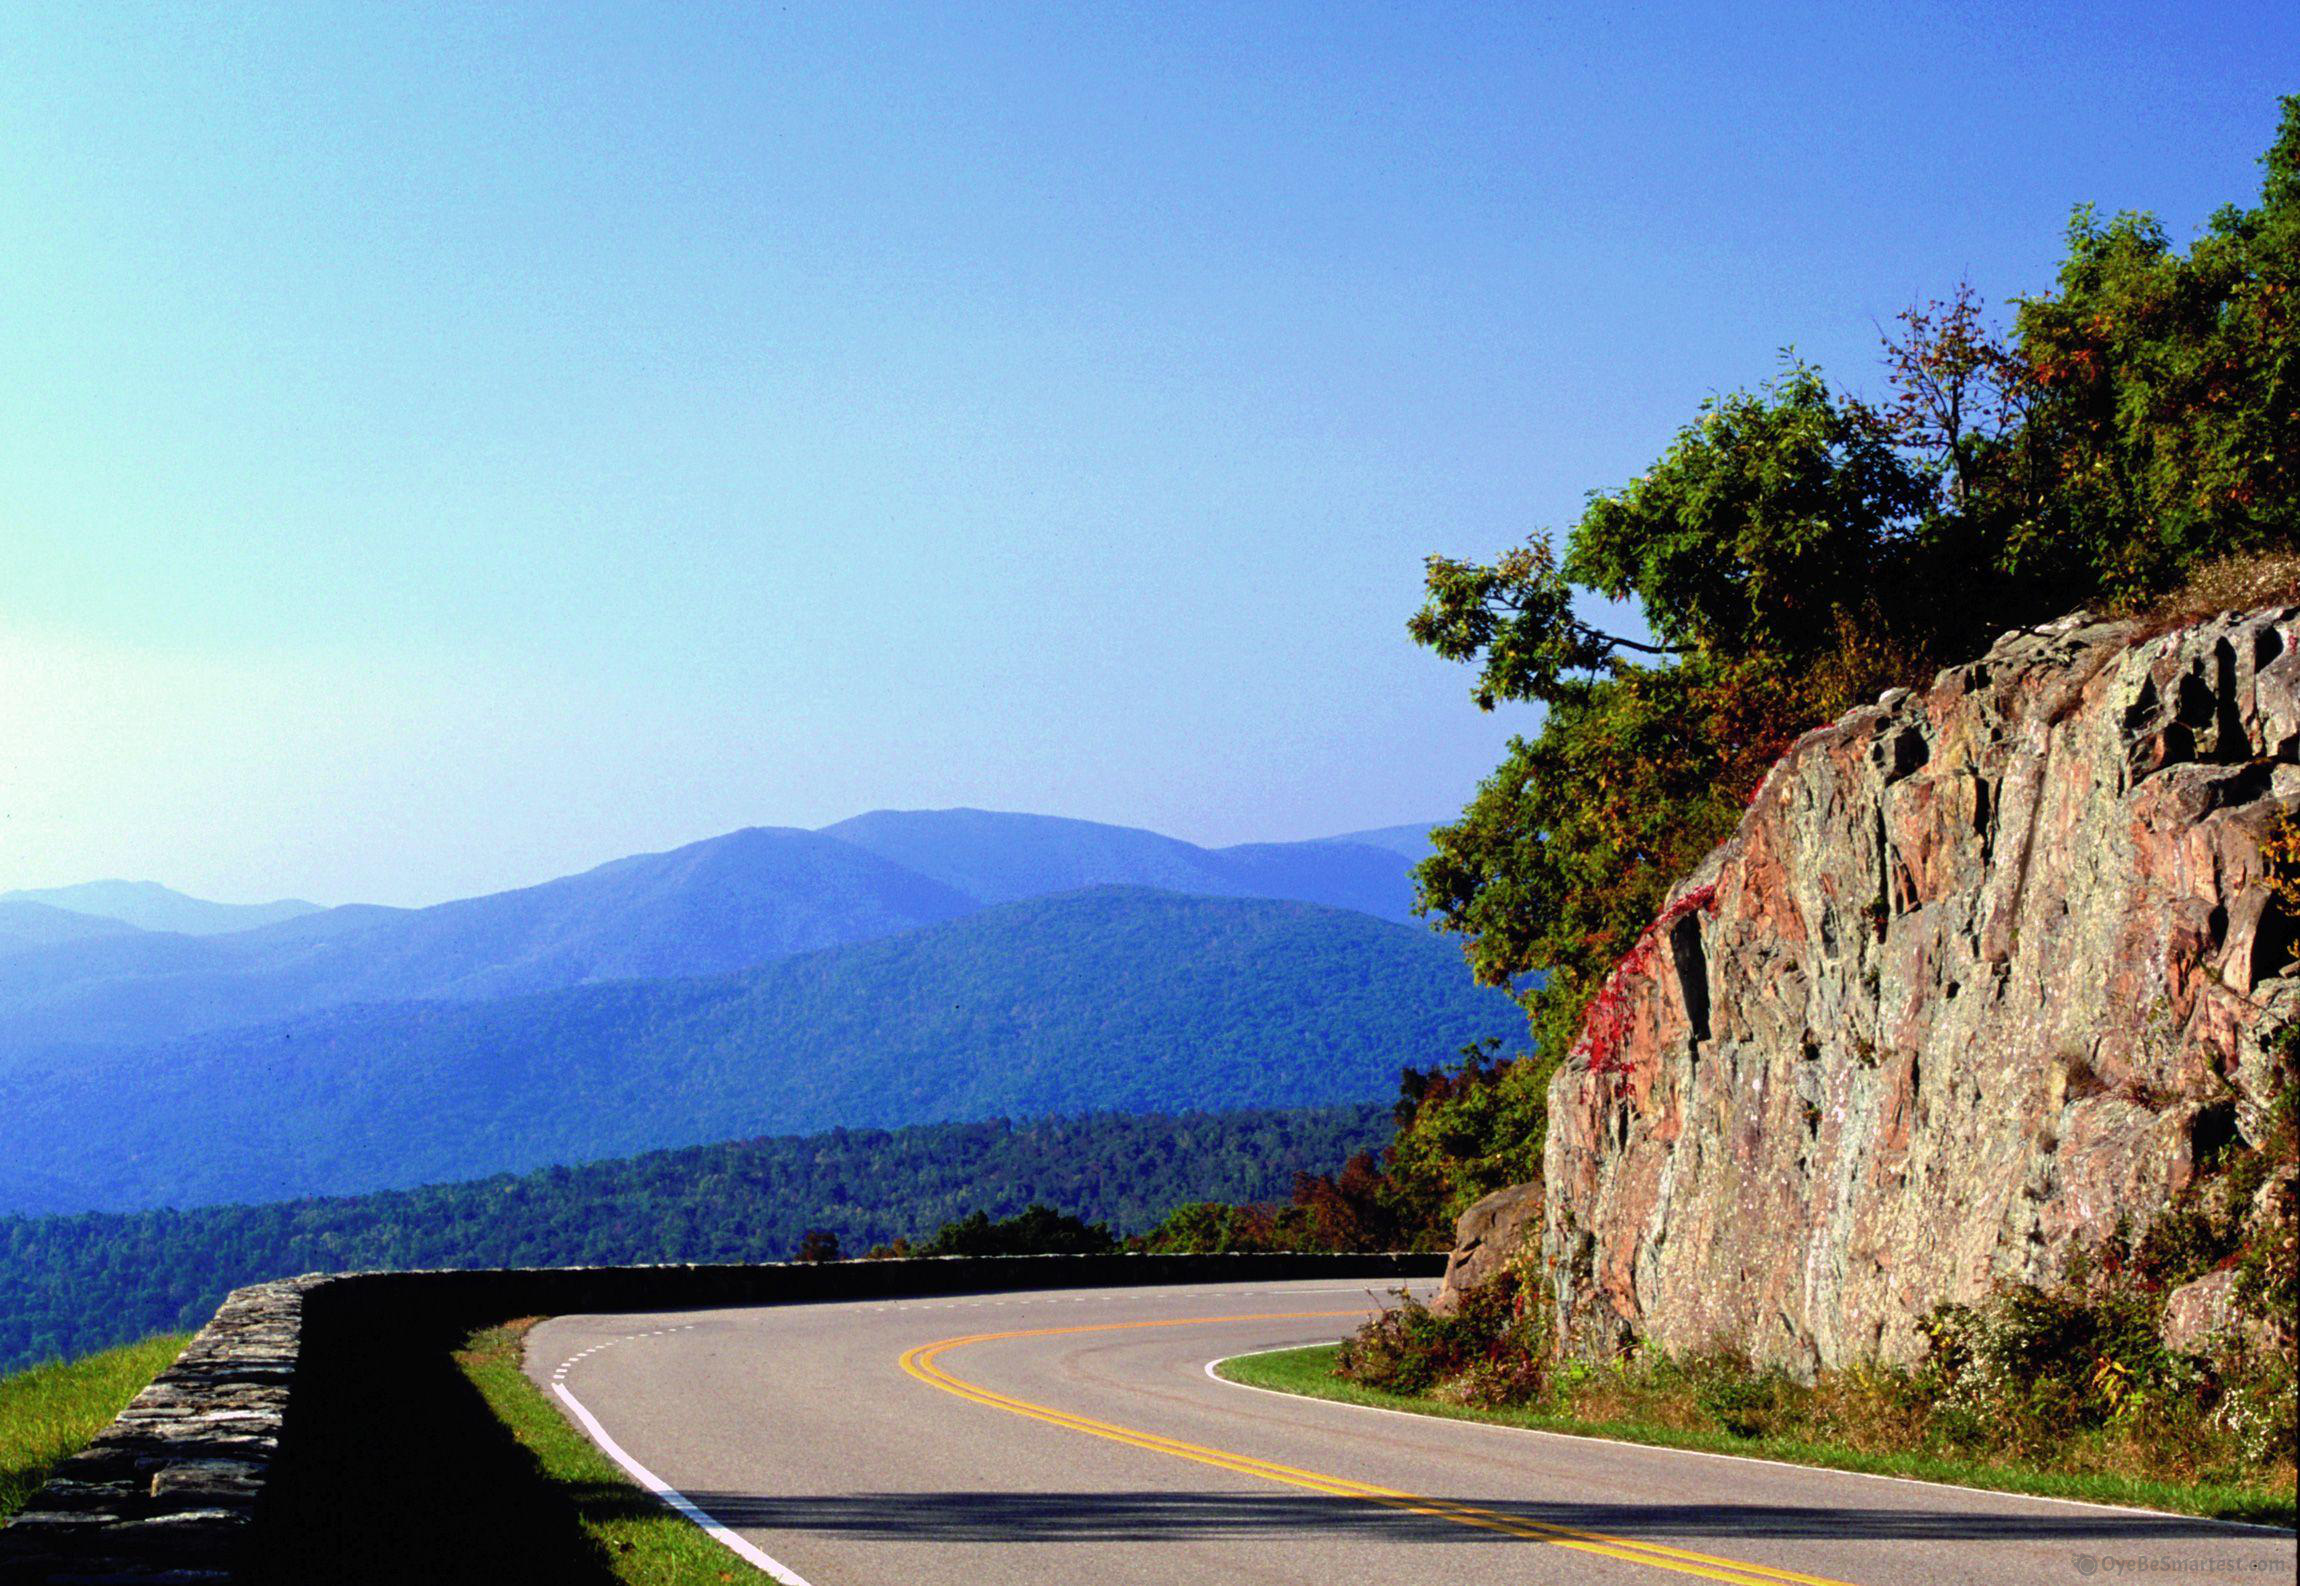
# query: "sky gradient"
{"points": [[441, 448]]}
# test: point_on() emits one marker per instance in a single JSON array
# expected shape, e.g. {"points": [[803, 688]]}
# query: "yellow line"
{"points": [[922, 1364]]}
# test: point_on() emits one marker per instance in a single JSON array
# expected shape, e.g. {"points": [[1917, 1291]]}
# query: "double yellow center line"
{"points": [[922, 1363]]}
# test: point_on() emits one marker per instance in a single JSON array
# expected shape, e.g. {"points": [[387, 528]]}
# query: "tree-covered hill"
{"points": [[712, 907], [1113, 999], [26, 924], [69, 1285], [708, 908]]}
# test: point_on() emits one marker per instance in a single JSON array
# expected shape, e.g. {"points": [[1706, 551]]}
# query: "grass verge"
{"points": [[635, 1537], [1311, 1372], [47, 1414]]}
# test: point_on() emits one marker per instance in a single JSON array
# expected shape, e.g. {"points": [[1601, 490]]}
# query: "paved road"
{"points": [[1076, 1438]]}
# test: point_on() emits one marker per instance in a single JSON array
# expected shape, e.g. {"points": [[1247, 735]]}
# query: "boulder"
{"points": [[2202, 1317], [1487, 1237]]}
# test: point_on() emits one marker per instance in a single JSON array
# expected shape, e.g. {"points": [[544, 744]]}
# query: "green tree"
{"points": [[1464, 1132], [2169, 386], [1034, 1231], [1797, 549], [1763, 548]]}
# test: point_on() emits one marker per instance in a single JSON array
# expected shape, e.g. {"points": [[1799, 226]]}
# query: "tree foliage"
{"points": [[1797, 549], [1036, 1230], [1461, 1132], [1114, 999]]}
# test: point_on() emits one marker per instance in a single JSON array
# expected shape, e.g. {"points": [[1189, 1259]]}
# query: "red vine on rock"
{"points": [[1605, 1028]]}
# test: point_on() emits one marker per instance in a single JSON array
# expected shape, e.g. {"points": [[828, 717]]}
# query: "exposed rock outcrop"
{"points": [[2198, 1315], [1986, 967]]}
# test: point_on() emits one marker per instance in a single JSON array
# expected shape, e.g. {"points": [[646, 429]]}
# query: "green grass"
{"points": [[48, 1413], [1311, 1372], [635, 1536]]}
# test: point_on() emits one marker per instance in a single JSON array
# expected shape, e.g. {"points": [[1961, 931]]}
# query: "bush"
{"points": [[1219, 1228], [2030, 1368], [1740, 1398], [1035, 1230], [2185, 1243], [1492, 1349]]}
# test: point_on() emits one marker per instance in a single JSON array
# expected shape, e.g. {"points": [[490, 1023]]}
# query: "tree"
{"points": [[1464, 1132], [1760, 548], [1035, 1230], [2170, 386], [1958, 391], [1797, 549]]}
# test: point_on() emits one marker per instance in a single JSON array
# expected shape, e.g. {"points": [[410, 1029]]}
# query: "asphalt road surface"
{"points": [[1077, 1437]]}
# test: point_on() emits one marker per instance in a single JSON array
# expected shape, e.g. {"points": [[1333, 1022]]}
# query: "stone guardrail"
{"points": [[174, 1492], [166, 1492]]}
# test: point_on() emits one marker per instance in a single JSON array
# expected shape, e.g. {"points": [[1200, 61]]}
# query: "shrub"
{"points": [[1035, 1230], [1491, 1349], [2074, 1378]]}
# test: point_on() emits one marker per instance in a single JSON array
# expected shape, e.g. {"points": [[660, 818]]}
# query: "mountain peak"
{"points": [[149, 906]]}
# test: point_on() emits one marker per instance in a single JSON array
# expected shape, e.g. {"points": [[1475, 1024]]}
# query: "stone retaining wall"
{"points": [[173, 1492], [168, 1491]]}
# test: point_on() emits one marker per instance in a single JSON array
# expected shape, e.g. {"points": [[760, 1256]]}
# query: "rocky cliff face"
{"points": [[1987, 967]]}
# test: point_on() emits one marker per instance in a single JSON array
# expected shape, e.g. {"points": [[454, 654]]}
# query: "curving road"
{"points": [[1077, 1437]]}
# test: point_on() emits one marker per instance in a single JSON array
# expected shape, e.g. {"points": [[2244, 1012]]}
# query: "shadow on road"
{"points": [[1172, 1516]]}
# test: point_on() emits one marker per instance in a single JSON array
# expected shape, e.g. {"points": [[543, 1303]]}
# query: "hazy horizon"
{"points": [[445, 448]]}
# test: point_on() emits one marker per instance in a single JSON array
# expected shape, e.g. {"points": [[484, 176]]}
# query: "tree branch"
{"points": [[1632, 644]]}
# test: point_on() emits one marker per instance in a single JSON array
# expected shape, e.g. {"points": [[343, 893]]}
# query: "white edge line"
{"points": [[675, 1498], [1704, 1453]]}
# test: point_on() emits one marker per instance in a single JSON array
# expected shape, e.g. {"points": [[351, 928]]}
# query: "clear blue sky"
{"points": [[445, 447]]}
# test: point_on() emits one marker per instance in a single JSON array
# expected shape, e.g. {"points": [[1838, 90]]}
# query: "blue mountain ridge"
{"points": [[729, 902], [148, 906], [1114, 998]]}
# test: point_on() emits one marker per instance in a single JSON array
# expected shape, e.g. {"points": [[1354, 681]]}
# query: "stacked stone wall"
{"points": [[184, 1489]]}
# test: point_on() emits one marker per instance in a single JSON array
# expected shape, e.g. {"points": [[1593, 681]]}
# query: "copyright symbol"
{"points": [[2086, 1564]]}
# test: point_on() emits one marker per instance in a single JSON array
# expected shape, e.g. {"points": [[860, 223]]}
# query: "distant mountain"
{"points": [[1412, 841], [1344, 875], [24, 923], [69, 1285], [732, 902], [713, 906], [999, 857], [151, 907], [1119, 998]]}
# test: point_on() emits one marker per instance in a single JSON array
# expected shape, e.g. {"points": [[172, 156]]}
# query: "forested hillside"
{"points": [[27, 923], [708, 908], [73, 1284], [1116, 999]]}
